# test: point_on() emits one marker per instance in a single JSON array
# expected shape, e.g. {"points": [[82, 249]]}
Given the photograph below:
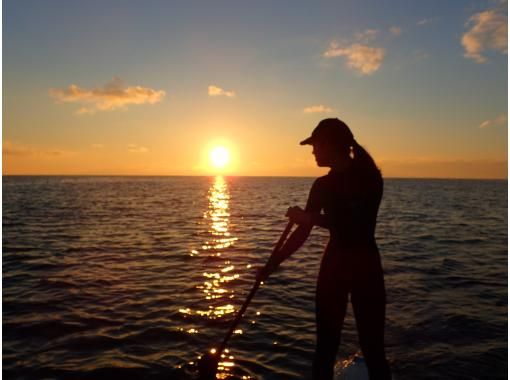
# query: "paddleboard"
{"points": [[353, 368]]}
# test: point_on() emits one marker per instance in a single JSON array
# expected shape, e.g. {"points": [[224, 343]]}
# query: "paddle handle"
{"points": [[239, 315], [285, 233]]}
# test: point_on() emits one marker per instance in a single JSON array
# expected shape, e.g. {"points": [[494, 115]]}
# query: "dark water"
{"points": [[135, 277]]}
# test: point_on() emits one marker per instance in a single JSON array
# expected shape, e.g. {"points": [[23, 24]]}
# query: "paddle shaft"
{"points": [[253, 291]]}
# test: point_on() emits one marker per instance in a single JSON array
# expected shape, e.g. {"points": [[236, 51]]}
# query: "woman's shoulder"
{"points": [[322, 181], [320, 184]]}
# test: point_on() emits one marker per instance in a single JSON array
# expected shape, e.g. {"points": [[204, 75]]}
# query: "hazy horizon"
{"points": [[241, 175]]}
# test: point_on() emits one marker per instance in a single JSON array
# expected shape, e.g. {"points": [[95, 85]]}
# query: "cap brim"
{"points": [[307, 141]]}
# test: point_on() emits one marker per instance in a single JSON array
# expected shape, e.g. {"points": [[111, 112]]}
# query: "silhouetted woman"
{"points": [[349, 196]]}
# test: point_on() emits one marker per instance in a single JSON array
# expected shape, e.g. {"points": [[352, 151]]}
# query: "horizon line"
{"points": [[237, 175]]}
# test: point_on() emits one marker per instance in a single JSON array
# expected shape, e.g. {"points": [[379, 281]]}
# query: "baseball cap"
{"points": [[332, 129]]}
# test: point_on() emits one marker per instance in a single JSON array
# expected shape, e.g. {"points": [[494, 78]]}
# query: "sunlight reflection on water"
{"points": [[215, 289], [215, 285]]}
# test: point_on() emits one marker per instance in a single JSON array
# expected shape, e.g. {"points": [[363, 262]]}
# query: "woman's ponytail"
{"points": [[363, 160]]}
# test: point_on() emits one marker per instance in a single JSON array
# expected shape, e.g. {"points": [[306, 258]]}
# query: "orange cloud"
{"points": [[489, 31], [218, 91], [111, 96], [317, 109], [11, 149], [499, 121], [362, 58], [133, 148], [396, 31]]}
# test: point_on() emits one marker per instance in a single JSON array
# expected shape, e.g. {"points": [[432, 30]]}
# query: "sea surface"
{"points": [[136, 277]]}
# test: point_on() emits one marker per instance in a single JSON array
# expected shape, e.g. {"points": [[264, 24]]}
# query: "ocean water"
{"points": [[135, 277]]}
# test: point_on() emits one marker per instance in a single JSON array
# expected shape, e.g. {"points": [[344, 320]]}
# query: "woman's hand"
{"points": [[297, 215]]}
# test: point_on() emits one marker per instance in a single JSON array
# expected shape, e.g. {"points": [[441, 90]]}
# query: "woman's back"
{"points": [[350, 200]]}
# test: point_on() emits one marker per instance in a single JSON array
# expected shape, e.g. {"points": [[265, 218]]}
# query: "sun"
{"points": [[220, 157]]}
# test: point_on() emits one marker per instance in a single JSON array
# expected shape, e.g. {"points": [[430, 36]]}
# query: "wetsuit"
{"points": [[351, 265]]}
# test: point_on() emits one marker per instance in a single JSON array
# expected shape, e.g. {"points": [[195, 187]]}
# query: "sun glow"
{"points": [[220, 157]]}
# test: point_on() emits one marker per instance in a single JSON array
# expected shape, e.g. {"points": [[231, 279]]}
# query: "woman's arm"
{"points": [[293, 243], [320, 220], [305, 221], [301, 217]]}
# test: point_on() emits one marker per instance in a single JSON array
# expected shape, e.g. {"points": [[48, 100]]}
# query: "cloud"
{"points": [[8, 148], [113, 95], [362, 58], [317, 109], [12, 149], [85, 111], [499, 121], [396, 31], [420, 55], [424, 21], [367, 36], [133, 148], [488, 31], [218, 91], [360, 55]]}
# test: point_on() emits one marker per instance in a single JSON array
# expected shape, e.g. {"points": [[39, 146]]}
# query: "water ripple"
{"points": [[135, 277]]}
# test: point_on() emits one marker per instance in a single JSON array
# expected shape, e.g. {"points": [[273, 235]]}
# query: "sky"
{"points": [[151, 88]]}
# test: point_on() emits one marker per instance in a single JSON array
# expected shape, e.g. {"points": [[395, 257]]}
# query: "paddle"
{"points": [[208, 364]]}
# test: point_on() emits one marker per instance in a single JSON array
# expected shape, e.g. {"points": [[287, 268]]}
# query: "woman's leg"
{"points": [[330, 307], [368, 299]]}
